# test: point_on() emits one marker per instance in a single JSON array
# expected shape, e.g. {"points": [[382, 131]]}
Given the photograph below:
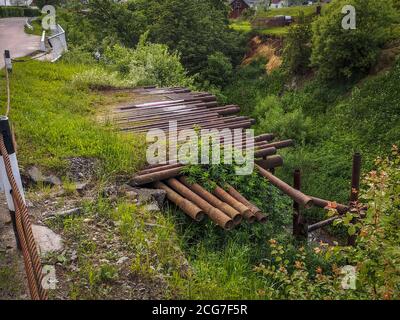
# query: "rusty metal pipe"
{"points": [[168, 108], [210, 125], [156, 176], [277, 144], [296, 195], [171, 110], [321, 203], [216, 215], [243, 210], [270, 162], [254, 209], [214, 201], [164, 123], [185, 205]]}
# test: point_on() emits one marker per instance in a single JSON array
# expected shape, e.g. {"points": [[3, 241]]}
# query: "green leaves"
{"points": [[343, 54]]}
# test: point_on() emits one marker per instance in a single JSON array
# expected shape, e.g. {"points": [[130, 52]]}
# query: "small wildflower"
{"points": [[317, 250]]}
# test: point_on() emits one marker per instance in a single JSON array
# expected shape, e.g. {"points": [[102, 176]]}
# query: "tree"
{"points": [[194, 28], [218, 71], [297, 50], [341, 54], [117, 21]]}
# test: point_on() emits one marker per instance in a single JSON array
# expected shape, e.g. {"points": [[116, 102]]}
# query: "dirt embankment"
{"points": [[265, 47]]}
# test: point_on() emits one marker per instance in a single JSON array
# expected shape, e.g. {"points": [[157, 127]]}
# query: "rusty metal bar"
{"points": [[270, 162], [185, 205], [297, 229], [243, 210], [216, 215], [355, 191], [355, 178], [214, 201], [321, 203], [321, 224], [296, 195], [254, 209]]}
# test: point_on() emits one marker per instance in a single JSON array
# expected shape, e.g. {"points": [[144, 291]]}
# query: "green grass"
{"points": [[53, 120], [277, 31], [243, 26], [289, 11], [37, 28]]}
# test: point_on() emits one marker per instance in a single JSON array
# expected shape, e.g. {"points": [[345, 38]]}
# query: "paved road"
{"points": [[14, 38]]}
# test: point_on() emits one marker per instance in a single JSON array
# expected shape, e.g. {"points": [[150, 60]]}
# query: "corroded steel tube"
{"points": [[185, 205], [277, 144], [270, 162], [173, 170], [156, 176], [265, 152], [213, 213], [321, 203], [161, 168], [256, 211], [226, 197], [214, 201], [296, 195]]}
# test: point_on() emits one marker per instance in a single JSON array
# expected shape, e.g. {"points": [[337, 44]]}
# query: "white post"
{"points": [[8, 141]]}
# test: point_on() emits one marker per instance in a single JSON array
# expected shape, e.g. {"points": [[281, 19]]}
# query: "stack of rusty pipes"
{"points": [[226, 207]]}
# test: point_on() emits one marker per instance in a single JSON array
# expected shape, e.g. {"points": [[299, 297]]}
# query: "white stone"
{"points": [[47, 240]]}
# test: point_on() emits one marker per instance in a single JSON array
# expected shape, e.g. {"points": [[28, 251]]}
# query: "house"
{"points": [[237, 7], [275, 4]]}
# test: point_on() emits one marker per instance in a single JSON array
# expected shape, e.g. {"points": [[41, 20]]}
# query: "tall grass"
{"points": [[54, 120]]}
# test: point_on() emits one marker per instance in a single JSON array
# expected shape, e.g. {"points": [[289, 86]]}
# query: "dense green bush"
{"points": [[285, 124], [18, 12], [148, 64], [297, 50], [196, 29], [218, 72], [341, 54]]}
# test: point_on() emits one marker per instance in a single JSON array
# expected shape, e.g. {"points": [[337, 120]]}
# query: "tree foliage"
{"points": [[341, 54], [297, 50]]}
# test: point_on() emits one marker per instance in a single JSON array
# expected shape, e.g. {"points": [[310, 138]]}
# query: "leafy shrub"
{"points": [[286, 124], [340, 53], [148, 64], [297, 50], [18, 12], [218, 71]]}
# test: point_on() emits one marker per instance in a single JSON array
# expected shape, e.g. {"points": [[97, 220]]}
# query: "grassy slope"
{"points": [[329, 123], [53, 120]]}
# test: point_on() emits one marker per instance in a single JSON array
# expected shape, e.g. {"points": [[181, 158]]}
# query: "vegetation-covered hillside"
{"points": [[336, 92]]}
